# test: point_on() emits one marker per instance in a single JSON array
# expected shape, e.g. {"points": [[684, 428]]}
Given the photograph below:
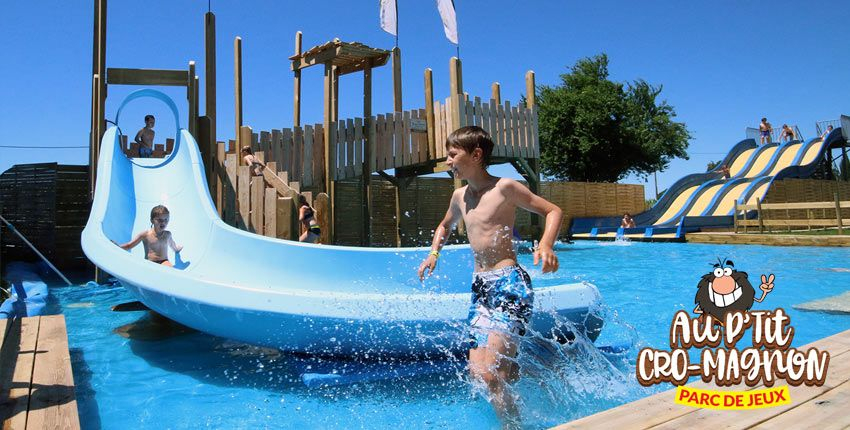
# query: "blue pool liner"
{"points": [[28, 291]]}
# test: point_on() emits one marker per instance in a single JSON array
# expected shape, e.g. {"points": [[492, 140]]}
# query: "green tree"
{"points": [[711, 165], [594, 129]]}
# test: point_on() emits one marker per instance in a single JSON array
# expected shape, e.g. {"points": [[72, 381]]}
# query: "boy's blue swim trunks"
{"points": [[502, 300]]}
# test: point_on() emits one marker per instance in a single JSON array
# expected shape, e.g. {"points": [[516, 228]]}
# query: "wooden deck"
{"points": [[36, 383], [822, 407], [768, 239]]}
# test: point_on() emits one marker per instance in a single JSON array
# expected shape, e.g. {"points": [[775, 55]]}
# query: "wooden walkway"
{"points": [[774, 239], [824, 407], [36, 384]]}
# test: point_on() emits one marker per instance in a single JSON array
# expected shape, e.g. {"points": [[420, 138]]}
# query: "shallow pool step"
{"points": [[839, 304]]}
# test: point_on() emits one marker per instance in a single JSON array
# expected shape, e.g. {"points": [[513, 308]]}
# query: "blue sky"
{"points": [[723, 64]]}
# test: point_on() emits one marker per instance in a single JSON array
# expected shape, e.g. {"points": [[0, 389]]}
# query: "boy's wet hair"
{"points": [[147, 117], [158, 210], [471, 137], [247, 149]]}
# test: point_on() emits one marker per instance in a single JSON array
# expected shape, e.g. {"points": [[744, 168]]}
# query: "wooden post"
{"points": [[759, 215], [397, 106], [838, 214], [190, 97], [429, 114], [327, 128], [99, 87], [335, 94], [237, 83], [735, 216], [219, 173], [240, 186], [456, 76], [243, 197], [258, 195], [530, 93], [496, 93], [458, 105], [322, 205], [368, 155], [95, 134], [296, 108], [207, 152], [534, 175], [210, 99], [284, 214]]}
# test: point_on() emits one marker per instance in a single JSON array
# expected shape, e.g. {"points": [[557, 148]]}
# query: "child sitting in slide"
{"points": [[157, 239]]}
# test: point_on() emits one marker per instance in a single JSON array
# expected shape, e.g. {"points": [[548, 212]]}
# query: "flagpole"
{"points": [[396, 23], [457, 32]]}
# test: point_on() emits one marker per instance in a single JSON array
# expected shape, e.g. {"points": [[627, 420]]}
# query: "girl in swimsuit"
{"points": [[307, 216], [252, 161]]}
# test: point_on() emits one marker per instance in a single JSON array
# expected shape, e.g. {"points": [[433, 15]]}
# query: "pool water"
{"points": [[158, 376]]}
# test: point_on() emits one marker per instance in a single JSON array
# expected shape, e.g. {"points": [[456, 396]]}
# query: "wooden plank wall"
{"points": [[131, 149], [297, 151], [349, 201], [48, 203], [808, 190], [425, 200], [402, 141], [254, 205], [514, 129], [72, 212]]}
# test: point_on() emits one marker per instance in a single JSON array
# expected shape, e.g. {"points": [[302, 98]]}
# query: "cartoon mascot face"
{"points": [[724, 290]]}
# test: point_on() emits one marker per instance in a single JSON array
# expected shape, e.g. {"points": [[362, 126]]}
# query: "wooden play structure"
{"points": [[202, 128], [396, 147], [310, 160]]}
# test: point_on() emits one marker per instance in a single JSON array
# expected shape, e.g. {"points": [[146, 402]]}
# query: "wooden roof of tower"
{"points": [[348, 57]]}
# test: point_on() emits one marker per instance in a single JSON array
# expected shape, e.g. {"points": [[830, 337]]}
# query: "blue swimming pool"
{"points": [[156, 376]]}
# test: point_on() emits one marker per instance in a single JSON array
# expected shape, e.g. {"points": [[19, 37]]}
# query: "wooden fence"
{"points": [[49, 204], [513, 128], [267, 204], [131, 149], [813, 210], [299, 151], [399, 139], [793, 190], [423, 203]]}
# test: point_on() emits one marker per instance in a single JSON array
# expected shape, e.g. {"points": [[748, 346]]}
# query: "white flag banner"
{"points": [[388, 17], [447, 13]]}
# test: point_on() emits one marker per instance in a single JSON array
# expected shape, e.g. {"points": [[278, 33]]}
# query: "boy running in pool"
{"points": [[157, 239], [502, 297]]}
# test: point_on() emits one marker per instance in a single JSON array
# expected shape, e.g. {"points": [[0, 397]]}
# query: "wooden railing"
{"points": [[763, 221], [267, 204], [512, 128], [399, 139], [160, 150]]}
